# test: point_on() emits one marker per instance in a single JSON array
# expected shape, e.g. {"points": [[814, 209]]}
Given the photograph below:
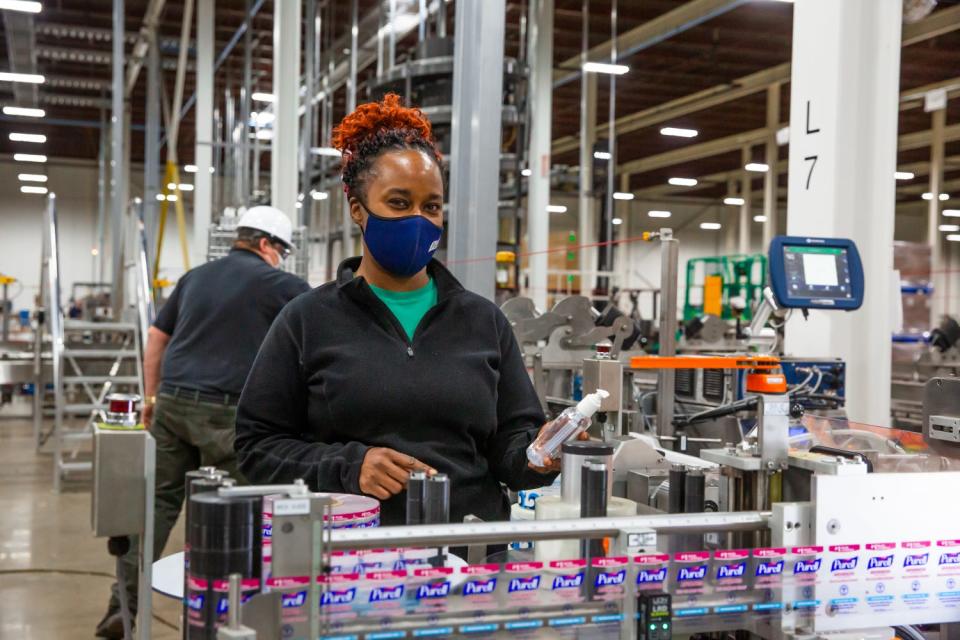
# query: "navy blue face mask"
{"points": [[403, 246]]}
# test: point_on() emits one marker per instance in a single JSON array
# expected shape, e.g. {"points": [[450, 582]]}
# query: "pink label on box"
{"points": [[609, 562], [196, 583], [385, 575], [844, 548], [915, 545], [948, 543], [335, 578], [731, 554], [691, 556], [481, 569], [880, 546], [652, 559], [769, 552], [522, 567], [433, 572], [568, 564], [806, 551], [283, 583]]}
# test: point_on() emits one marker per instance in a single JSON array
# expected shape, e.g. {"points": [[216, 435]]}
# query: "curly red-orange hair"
{"points": [[376, 127]]}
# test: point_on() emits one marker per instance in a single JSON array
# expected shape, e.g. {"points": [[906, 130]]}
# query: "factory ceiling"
{"points": [[727, 48]]}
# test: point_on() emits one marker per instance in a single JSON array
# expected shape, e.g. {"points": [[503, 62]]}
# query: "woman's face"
{"points": [[401, 183]]}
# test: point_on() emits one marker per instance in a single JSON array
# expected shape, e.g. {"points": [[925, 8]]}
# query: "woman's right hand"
{"points": [[385, 472]]}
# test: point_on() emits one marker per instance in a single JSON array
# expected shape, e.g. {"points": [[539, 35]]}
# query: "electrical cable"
{"points": [[81, 573]]}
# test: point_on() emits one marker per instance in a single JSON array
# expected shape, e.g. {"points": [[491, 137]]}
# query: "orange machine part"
{"points": [[705, 362], [713, 295], [766, 383]]}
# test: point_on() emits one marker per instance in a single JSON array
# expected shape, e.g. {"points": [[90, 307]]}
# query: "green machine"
{"points": [[713, 282]]}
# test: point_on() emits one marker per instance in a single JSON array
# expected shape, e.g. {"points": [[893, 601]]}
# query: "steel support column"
{"points": [[771, 157], [346, 226], [934, 237], [151, 164], [843, 123], [729, 222], [586, 216], [286, 93], [307, 134], [203, 154], [117, 170], [475, 151], [540, 49], [243, 170], [746, 192]]}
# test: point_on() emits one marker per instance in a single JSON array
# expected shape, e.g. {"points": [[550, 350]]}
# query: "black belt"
{"points": [[186, 393]]}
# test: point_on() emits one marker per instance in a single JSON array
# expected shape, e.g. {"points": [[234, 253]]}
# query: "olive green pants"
{"points": [[189, 434]]}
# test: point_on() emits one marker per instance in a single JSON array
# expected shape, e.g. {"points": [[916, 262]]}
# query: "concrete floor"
{"points": [[54, 575]]}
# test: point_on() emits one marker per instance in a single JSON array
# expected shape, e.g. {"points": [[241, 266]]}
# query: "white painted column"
{"points": [[938, 262], [746, 192], [540, 47], [203, 148], [730, 221], [284, 147], [843, 151], [587, 214], [771, 177]]}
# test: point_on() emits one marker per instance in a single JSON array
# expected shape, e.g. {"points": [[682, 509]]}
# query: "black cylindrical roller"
{"points": [[678, 480], [415, 494], [693, 491], [436, 500]]}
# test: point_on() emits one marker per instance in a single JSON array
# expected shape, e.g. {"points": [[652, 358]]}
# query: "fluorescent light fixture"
{"points": [[526, 173], [783, 136], [264, 134], [37, 138], [759, 167], [678, 132], [171, 197], [617, 221], [949, 227], [710, 226], [951, 213], [683, 182], [623, 195], [25, 112], [29, 157], [262, 118], [160, 197], [605, 67], [30, 78], [929, 196], [760, 218], [189, 168], [94, 252], [326, 151], [33, 189], [654, 213], [319, 195], [183, 186], [904, 175], [299, 205], [556, 208], [733, 200], [954, 237], [24, 6], [32, 177], [260, 96], [602, 155]]}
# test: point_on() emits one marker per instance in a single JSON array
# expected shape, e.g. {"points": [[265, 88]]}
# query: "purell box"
{"points": [[840, 592], [383, 592], [521, 583], [947, 576], [609, 576], [766, 570], [651, 572], [804, 566], [880, 576], [729, 578], [479, 591], [431, 588], [688, 576], [915, 575], [566, 579]]}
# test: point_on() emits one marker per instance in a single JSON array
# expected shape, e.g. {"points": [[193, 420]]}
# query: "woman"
{"points": [[394, 367]]}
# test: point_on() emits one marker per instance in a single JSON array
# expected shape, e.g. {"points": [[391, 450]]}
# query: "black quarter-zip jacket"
{"points": [[337, 375]]}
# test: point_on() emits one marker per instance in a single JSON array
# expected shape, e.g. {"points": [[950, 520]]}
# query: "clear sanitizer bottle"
{"points": [[564, 427]]}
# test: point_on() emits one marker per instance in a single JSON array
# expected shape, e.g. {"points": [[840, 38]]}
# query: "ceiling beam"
{"points": [[936, 24], [21, 40], [651, 32], [694, 152]]}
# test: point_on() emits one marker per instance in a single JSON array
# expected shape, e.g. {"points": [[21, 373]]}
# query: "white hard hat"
{"points": [[270, 220]]}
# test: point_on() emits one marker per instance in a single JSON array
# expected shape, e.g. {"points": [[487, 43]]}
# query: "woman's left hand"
{"points": [[553, 464]]}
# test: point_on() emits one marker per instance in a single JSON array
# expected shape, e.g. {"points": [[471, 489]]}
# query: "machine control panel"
{"points": [[816, 273], [655, 617]]}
